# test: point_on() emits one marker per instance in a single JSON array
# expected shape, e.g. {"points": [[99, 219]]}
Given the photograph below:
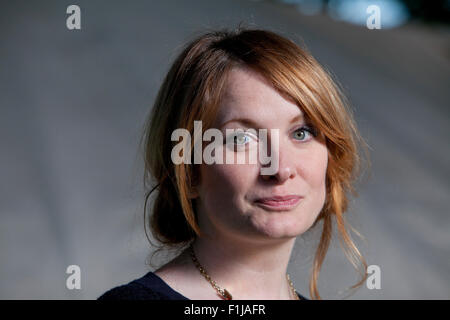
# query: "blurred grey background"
{"points": [[73, 103]]}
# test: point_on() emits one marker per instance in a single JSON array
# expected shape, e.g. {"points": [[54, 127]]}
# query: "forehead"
{"points": [[248, 94]]}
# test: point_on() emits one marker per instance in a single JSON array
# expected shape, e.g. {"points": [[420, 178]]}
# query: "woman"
{"points": [[234, 223]]}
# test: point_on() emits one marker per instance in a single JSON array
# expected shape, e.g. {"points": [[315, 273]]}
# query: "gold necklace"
{"points": [[222, 291]]}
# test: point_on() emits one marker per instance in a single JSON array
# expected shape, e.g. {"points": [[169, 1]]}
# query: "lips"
{"points": [[279, 202]]}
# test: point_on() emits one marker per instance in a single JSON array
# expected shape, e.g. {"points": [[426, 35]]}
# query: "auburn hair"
{"points": [[192, 90]]}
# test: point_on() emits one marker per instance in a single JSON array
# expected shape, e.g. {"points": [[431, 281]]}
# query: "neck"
{"points": [[247, 270]]}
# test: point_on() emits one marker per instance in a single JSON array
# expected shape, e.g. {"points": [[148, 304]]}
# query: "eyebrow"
{"points": [[250, 123]]}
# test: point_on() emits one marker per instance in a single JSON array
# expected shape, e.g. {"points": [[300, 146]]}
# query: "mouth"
{"points": [[279, 203]]}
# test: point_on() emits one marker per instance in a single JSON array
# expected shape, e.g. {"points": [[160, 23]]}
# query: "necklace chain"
{"points": [[222, 291]]}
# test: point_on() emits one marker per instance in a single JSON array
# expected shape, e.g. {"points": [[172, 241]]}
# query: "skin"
{"points": [[246, 247]]}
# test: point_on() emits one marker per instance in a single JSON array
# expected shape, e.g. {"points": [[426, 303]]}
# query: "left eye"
{"points": [[303, 134]]}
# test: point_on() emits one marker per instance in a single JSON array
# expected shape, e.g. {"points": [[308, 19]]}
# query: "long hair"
{"points": [[192, 90]]}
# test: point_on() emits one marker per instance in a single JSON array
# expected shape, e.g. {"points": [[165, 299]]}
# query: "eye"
{"points": [[240, 138], [304, 133]]}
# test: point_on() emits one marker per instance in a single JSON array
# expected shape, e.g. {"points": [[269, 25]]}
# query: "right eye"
{"points": [[240, 138]]}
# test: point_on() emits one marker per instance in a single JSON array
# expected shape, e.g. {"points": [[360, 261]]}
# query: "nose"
{"points": [[286, 166]]}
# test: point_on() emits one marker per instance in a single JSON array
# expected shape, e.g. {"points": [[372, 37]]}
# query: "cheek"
{"points": [[313, 173], [221, 193], [314, 169], [225, 182]]}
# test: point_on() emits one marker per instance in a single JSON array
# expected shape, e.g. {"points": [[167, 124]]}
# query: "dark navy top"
{"points": [[149, 287]]}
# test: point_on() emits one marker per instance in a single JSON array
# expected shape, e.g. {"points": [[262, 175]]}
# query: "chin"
{"points": [[282, 229]]}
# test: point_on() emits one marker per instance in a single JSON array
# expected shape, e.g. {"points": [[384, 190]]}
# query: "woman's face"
{"points": [[233, 200]]}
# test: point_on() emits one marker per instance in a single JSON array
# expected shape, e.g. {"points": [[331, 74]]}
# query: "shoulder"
{"points": [[148, 287], [300, 296], [130, 291]]}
